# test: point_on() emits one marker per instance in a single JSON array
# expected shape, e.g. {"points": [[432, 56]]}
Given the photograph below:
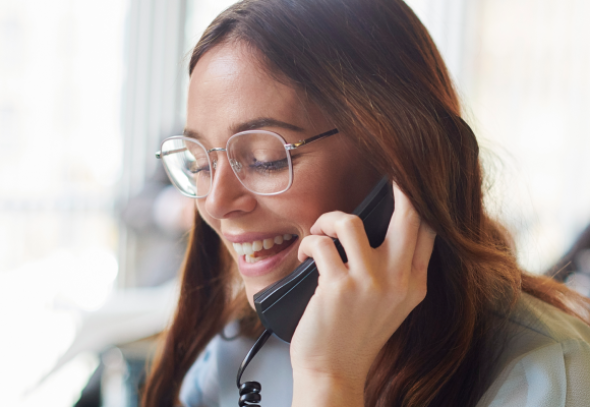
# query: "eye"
{"points": [[267, 158], [195, 168], [269, 166]]}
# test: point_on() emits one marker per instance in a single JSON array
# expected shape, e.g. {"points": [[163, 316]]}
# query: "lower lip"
{"points": [[264, 266]]}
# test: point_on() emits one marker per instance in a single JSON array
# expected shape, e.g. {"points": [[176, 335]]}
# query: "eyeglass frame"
{"points": [[288, 148]]}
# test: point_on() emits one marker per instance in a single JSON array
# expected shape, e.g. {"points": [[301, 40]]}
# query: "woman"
{"points": [[440, 314]]}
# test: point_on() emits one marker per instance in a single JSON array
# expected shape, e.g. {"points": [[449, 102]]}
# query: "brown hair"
{"points": [[372, 67]]}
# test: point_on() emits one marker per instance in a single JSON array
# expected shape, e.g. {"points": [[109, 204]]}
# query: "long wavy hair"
{"points": [[372, 67]]}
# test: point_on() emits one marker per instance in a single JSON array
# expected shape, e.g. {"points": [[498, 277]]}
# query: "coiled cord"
{"points": [[250, 391]]}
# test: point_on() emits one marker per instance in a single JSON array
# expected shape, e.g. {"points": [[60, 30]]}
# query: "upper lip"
{"points": [[252, 236]]}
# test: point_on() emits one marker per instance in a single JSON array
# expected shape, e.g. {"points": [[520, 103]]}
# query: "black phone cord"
{"points": [[250, 391]]}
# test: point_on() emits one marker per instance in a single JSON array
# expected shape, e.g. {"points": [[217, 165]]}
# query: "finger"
{"points": [[423, 252], [350, 231], [402, 233], [323, 251]]}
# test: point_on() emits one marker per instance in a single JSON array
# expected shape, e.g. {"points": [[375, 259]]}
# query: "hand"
{"points": [[357, 306]]}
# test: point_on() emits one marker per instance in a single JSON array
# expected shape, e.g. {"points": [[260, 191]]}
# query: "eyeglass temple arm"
{"points": [[159, 154], [293, 146]]}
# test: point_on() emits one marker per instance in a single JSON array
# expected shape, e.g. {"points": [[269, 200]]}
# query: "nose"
{"points": [[228, 197]]}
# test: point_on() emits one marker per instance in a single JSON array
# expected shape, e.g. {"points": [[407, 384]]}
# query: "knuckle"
{"points": [[346, 286], [375, 286], [323, 217], [306, 241], [323, 242], [349, 221], [329, 216]]}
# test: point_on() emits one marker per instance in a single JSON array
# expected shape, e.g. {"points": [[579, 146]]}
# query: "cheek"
{"points": [[214, 223], [299, 207], [354, 181], [199, 206], [332, 187]]}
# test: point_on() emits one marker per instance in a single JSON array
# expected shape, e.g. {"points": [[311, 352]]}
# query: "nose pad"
{"points": [[236, 165]]}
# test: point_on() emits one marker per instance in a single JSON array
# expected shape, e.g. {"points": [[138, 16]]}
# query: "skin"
{"points": [[375, 291]]}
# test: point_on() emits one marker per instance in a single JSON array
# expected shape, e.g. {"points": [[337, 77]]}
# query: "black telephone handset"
{"points": [[281, 305]]}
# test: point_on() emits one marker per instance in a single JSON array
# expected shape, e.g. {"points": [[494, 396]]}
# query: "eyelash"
{"points": [[265, 166]]}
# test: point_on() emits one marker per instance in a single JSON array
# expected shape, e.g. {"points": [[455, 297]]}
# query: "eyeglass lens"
{"points": [[258, 159]]}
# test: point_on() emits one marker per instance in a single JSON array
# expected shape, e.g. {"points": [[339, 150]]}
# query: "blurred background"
{"points": [[92, 235]]}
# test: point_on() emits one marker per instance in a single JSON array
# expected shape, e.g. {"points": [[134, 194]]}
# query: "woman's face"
{"points": [[228, 89]]}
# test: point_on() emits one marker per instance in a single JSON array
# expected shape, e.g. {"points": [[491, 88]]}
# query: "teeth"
{"points": [[249, 248], [238, 249], [251, 259], [268, 243]]}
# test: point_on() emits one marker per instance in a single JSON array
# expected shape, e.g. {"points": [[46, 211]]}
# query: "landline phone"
{"points": [[280, 306]]}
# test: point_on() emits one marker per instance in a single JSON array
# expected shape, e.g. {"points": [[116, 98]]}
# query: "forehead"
{"points": [[229, 85]]}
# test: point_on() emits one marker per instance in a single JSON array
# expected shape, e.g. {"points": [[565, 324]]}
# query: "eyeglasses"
{"points": [[260, 159]]}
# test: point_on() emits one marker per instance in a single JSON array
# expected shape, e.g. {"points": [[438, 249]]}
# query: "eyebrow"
{"points": [[253, 124]]}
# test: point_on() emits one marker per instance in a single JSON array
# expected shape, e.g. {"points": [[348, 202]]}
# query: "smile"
{"points": [[260, 249]]}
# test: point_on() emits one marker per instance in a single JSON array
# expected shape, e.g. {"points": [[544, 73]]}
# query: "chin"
{"points": [[255, 284], [250, 297], [253, 289]]}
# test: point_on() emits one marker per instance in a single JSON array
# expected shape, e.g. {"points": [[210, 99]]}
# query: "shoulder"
{"points": [[544, 359], [200, 386], [211, 380], [547, 320]]}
